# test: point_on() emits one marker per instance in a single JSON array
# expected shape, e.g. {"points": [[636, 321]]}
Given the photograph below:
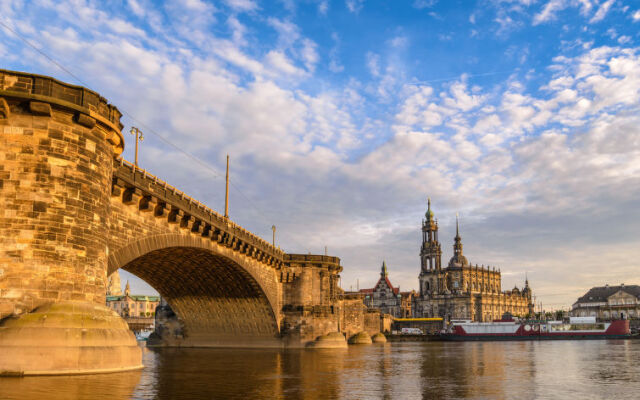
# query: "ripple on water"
{"points": [[426, 370]]}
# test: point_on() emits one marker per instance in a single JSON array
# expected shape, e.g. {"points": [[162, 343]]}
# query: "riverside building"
{"points": [[609, 302], [128, 305], [462, 290], [387, 298]]}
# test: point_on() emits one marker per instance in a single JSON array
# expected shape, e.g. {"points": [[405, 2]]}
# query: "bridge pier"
{"points": [[57, 145]]}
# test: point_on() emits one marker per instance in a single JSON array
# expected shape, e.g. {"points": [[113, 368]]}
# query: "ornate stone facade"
{"points": [[609, 302], [462, 290], [133, 305], [388, 299], [383, 295]]}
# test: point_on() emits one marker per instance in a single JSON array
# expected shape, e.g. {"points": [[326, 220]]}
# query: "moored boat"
{"points": [[576, 328]]}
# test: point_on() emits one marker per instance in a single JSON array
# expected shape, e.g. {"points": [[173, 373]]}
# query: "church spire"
{"points": [[458, 259], [127, 289], [457, 246], [383, 272]]}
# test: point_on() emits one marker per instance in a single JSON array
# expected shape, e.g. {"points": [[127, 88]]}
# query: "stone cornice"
{"points": [[137, 187], [24, 86]]}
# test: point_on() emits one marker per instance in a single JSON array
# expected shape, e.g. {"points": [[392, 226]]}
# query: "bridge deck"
{"points": [[152, 194]]}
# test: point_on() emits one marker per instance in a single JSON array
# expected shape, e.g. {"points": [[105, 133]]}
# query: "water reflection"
{"points": [[115, 386], [490, 370]]}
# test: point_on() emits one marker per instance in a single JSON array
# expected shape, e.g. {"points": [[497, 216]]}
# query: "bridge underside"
{"points": [[216, 301]]}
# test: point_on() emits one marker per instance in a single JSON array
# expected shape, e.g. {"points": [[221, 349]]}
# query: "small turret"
{"points": [[127, 290]]}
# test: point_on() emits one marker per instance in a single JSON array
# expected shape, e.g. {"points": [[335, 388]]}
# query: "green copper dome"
{"points": [[429, 213]]}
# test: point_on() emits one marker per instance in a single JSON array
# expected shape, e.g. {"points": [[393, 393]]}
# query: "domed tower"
{"points": [[458, 260], [430, 254]]}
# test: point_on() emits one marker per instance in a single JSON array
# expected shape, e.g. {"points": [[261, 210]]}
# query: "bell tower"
{"points": [[430, 254]]}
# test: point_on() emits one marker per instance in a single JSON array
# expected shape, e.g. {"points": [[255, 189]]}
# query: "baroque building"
{"points": [[128, 305], [609, 302], [387, 298], [461, 290]]}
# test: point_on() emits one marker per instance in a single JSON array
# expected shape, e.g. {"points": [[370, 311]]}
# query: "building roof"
{"points": [[395, 290], [600, 294]]}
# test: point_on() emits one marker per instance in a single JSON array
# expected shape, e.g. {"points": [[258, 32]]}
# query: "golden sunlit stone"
{"points": [[360, 338], [67, 338]]}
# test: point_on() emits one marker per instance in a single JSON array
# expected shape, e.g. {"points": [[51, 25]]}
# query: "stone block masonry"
{"points": [[55, 177], [57, 144]]}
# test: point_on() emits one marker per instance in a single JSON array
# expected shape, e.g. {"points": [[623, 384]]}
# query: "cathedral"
{"points": [[461, 290]]}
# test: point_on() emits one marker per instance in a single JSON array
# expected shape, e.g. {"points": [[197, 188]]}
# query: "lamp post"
{"points": [[273, 228], [138, 134]]}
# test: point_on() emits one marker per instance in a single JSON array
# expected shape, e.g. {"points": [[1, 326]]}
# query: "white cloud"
{"points": [[288, 32], [602, 11], [323, 7], [335, 65], [238, 31], [309, 54], [549, 11], [136, 8], [636, 16], [624, 39], [242, 5], [281, 62], [420, 4], [354, 5], [373, 63], [399, 41]]}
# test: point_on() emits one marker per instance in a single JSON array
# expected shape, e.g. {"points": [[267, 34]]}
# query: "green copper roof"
{"points": [[135, 297]]}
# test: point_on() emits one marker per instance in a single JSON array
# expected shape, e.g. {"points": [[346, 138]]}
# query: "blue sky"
{"points": [[341, 117]]}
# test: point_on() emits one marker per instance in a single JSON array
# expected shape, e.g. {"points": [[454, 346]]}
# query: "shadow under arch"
{"points": [[221, 298]]}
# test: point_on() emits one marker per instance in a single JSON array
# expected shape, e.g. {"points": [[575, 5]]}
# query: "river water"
{"points": [[425, 370]]}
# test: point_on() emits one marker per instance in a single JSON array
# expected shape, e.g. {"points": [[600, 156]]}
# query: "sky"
{"points": [[341, 117]]}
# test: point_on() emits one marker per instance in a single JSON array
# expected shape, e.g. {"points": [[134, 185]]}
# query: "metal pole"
{"points": [[273, 228], [226, 195], [138, 134], [136, 158]]}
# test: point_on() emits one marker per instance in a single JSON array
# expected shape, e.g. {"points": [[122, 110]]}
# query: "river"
{"points": [[424, 370]]}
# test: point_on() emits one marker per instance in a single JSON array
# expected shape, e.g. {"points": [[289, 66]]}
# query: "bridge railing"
{"points": [[135, 174]]}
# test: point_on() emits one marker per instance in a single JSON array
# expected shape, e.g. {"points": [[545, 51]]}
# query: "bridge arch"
{"points": [[222, 298]]}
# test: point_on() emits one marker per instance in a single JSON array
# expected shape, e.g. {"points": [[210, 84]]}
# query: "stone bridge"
{"points": [[72, 211], [208, 269]]}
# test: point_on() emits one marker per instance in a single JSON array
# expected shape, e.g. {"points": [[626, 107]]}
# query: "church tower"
{"points": [[458, 259], [430, 255]]}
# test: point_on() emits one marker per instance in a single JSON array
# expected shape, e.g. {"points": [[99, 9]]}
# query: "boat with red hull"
{"points": [[576, 328]]}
